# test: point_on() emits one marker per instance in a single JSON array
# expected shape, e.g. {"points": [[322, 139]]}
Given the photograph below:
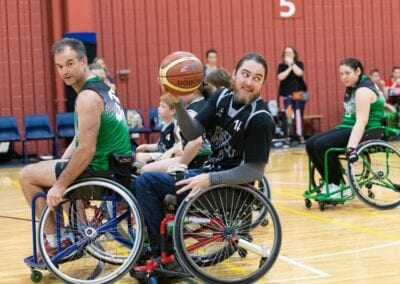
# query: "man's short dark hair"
{"points": [[211, 50], [374, 70], [219, 78], [395, 68], [74, 44]]}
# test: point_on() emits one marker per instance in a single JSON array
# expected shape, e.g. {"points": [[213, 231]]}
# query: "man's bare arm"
{"points": [[89, 107]]}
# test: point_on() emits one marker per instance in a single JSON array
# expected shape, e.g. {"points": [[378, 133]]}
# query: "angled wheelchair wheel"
{"points": [[263, 186], [375, 176], [217, 239], [98, 246]]}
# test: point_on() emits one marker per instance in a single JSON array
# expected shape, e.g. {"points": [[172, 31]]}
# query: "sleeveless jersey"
{"points": [[376, 109], [113, 136], [167, 137], [196, 105], [228, 135]]}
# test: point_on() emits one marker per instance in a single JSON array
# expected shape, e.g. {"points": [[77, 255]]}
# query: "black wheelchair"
{"points": [[219, 236]]}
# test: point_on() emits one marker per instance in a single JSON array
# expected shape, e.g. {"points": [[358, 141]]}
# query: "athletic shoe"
{"points": [[52, 251]]}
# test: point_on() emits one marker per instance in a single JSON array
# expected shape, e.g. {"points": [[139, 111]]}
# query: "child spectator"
{"points": [[169, 136]]}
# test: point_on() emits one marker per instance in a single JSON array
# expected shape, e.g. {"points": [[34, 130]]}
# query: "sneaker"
{"points": [[334, 191], [52, 251]]}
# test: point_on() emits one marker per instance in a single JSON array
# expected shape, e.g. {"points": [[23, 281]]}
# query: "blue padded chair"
{"points": [[37, 127], [9, 129], [155, 121], [65, 127], [142, 129]]}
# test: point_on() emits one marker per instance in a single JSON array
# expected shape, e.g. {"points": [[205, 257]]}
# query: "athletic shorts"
{"points": [[60, 166]]}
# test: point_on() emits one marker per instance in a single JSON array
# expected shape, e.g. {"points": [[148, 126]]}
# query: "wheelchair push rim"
{"points": [[100, 252], [217, 240], [375, 176]]}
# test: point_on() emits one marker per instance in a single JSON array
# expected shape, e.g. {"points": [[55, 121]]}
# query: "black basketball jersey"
{"points": [[167, 137], [197, 104], [228, 134]]}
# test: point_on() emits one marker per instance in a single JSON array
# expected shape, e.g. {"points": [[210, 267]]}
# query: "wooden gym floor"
{"points": [[350, 243]]}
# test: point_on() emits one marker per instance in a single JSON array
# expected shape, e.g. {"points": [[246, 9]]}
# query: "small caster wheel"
{"points": [[242, 253], [371, 194], [308, 203], [265, 222], [322, 205], [36, 276]]}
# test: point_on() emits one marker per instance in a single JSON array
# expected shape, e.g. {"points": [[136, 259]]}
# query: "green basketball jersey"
{"points": [[113, 136], [376, 109]]}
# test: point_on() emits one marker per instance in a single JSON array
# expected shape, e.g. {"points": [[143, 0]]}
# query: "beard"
{"points": [[243, 97]]}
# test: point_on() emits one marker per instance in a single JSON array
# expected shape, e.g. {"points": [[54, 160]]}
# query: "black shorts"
{"points": [[60, 166]]}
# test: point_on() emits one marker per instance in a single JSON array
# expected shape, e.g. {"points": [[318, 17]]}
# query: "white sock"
{"points": [[52, 239]]}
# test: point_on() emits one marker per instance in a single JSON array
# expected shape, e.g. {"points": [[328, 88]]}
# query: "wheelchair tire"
{"points": [[263, 186], [216, 227], [95, 244], [375, 176]]}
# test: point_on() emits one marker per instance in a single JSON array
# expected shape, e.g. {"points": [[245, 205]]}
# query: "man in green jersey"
{"points": [[101, 130]]}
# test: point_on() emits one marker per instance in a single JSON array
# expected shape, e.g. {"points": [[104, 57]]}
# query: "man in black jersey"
{"points": [[240, 131]]}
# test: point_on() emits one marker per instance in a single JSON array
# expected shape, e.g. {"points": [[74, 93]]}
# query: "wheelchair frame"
{"points": [[324, 199], [152, 268]]}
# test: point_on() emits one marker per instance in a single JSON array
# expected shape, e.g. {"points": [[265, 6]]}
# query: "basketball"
{"points": [[181, 73]]}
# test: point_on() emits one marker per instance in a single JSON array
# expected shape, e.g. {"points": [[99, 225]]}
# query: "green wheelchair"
{"points": [[374, 178]]}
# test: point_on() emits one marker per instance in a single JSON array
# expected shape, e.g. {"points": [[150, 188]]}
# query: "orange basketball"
{"points": [[181, 73]]}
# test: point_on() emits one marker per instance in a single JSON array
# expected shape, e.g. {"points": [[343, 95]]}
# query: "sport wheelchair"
{"points": [[374, 178], [219, 236]]}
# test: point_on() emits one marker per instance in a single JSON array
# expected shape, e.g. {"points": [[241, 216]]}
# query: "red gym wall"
{"points": [[137, 34]]}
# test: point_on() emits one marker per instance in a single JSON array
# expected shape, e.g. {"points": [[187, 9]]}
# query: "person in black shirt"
{"points": [[240, 131], [290, 75]]}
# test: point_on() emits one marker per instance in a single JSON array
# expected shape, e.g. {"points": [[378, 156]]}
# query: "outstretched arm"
{"points": [[190, 127]]}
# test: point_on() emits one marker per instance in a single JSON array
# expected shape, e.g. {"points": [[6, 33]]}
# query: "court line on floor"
{"points": [[297, 279], [364, 211], [318, 273], [339, 223], [350, 251], [13, 182], [304, 266]]}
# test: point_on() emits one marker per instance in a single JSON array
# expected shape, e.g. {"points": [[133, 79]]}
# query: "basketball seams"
{"points": [[181, 73], [164, 70]]}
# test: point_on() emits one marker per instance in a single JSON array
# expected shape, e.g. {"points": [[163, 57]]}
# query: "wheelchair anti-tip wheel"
{"points": [[104, 229], [217, 239], [375, 176]]}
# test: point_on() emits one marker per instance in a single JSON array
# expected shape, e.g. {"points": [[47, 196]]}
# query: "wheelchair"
{"points": [[374, 178], [217, 236]]}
